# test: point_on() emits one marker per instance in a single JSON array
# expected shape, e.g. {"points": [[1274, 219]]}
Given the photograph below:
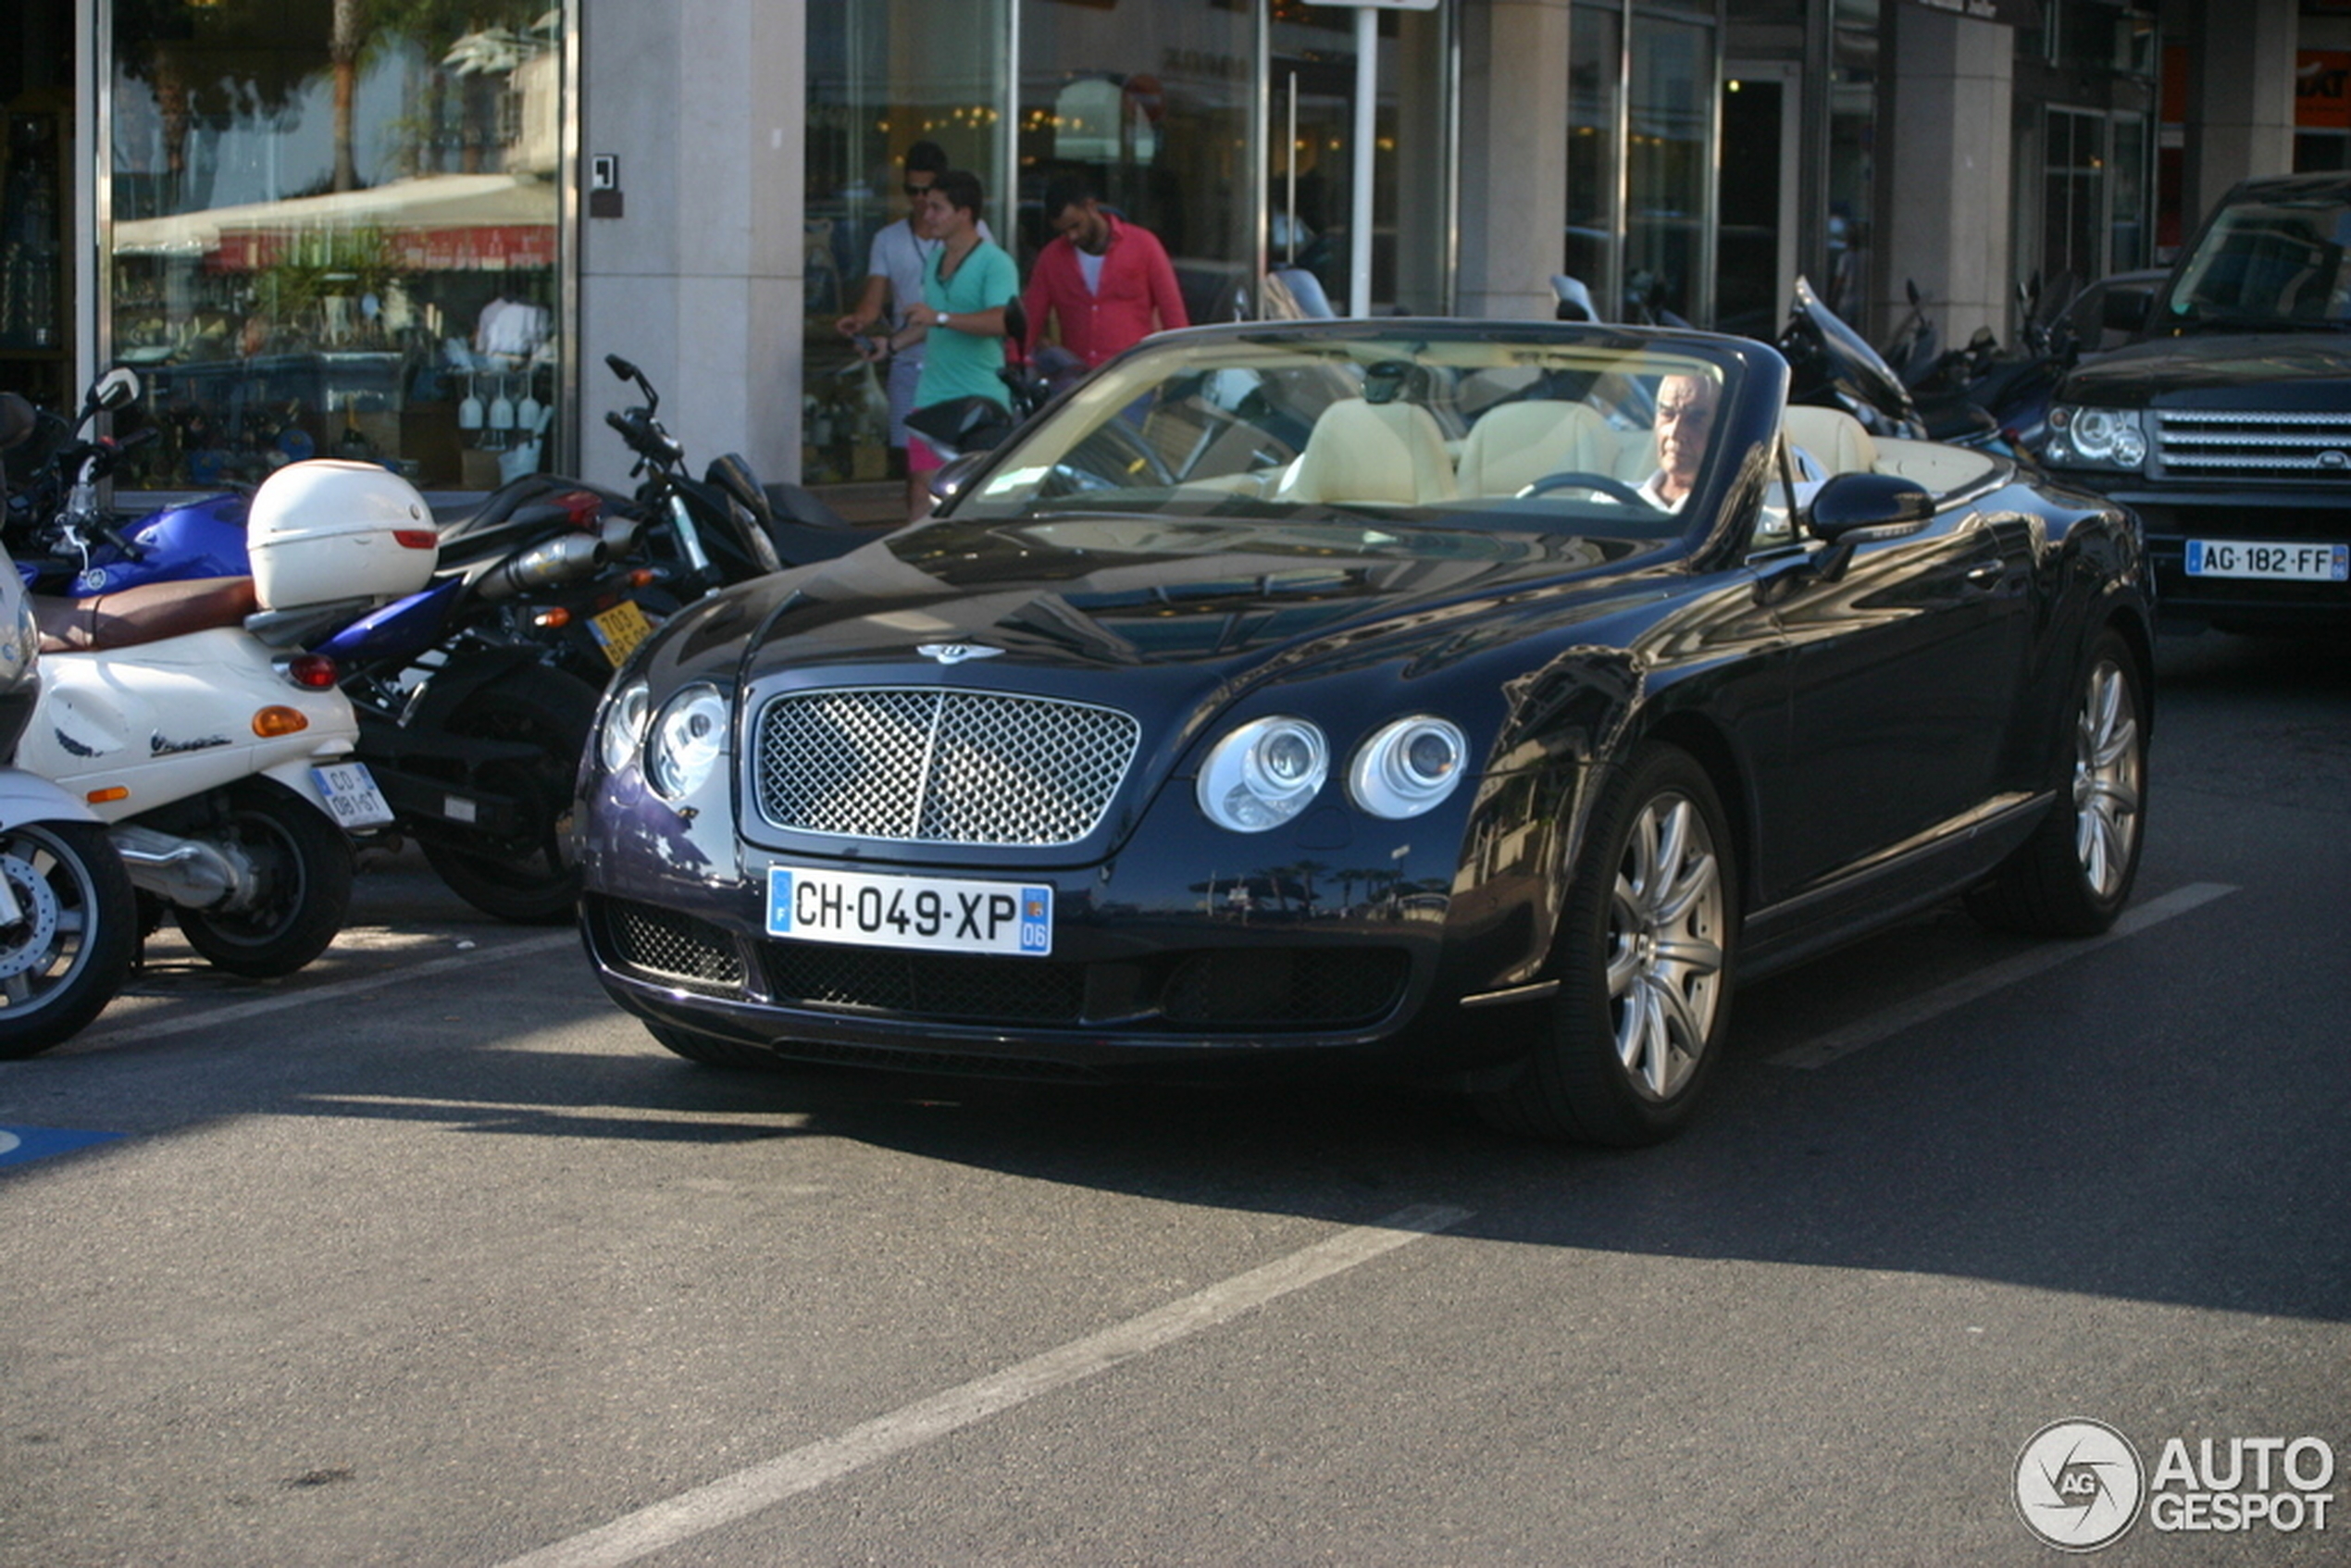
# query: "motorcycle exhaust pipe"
{"points": [[187, 872], [567, 559]]}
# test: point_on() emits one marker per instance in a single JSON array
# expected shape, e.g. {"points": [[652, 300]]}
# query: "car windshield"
{"points": [[1604, 436], [2279, 261]]}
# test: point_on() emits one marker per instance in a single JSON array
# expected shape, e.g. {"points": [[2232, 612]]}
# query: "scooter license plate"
{"points": [[351, 794], [620, 630]]}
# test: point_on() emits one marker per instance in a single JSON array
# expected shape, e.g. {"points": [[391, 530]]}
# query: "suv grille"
{"points": [[918, 764], [2215, 445]]}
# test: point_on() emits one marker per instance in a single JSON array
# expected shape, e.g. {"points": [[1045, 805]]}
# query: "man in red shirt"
{"points": [[1104, 283]]}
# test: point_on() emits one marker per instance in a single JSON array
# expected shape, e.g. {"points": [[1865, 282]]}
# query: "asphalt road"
{"points": [[430, 1256]]}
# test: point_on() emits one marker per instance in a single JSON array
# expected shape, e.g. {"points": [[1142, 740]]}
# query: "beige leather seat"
{"points": [[1390, 452], [1515, 444], [1835, 437]]}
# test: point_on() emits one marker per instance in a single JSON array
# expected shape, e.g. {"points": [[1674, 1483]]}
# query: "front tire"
{"points": [[529, 879], [1644, 959], [70, 951], [303, 864], [2074, 874]]}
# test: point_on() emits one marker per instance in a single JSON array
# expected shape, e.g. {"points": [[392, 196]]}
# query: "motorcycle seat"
{"points": [[148, 613]]}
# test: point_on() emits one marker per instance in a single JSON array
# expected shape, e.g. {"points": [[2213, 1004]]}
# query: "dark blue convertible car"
{"points": [[1473, 699]]}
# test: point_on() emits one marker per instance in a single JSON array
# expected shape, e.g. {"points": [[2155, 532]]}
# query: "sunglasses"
{"points": [[916, 190]]}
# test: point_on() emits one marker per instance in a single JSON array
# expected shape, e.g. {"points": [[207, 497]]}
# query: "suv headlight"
{"points": [[2104, 438], [688, 737], [1408, 767], [1264, 773]]}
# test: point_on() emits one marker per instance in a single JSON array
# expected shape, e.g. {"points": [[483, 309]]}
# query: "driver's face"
{"points": [[1685, 418]]}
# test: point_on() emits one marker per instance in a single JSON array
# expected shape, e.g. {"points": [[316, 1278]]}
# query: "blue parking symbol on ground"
{"points": [[20, 1144]]}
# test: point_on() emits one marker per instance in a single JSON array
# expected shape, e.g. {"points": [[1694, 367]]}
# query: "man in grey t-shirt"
{"points": [[893, 285]]}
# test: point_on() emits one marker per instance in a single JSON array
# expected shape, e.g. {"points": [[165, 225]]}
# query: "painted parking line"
{"points": [[803, 1469], [20, 1144], [1891, 1021], [313, 996]]}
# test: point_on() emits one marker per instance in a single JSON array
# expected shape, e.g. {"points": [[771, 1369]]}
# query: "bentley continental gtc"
{"points": [[1476, 700]]}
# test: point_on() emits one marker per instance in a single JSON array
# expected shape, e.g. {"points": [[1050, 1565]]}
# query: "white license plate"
{"points": [[352, 796], [937, 913], [2290, 563]]}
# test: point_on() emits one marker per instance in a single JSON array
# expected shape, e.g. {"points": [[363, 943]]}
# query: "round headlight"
{"points": [[624, 728], [688, 737], [1408, 767], [2104, 435], [1264, 773]]}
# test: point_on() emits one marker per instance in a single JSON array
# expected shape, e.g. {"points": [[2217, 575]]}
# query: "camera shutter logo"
{"points": [[2079, 1485]]}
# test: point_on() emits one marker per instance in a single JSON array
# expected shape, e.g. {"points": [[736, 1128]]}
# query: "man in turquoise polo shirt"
{"points": [[966, 286]]}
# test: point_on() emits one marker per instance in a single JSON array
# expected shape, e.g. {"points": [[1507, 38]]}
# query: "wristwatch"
{"points": [[944, 320]]}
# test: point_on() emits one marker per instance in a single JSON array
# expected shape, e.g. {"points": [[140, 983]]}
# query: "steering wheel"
{"points": [[1576, 479]]}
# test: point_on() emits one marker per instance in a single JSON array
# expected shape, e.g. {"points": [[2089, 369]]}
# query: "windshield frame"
{"points": [[1751, 378]]}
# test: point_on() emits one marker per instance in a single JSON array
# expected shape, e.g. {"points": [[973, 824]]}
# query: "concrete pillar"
{"points": [[1946, 224], [2239, 97], [1514, 162], [699, 281]]}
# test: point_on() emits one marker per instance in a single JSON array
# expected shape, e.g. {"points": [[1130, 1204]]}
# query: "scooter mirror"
{"points": [[621, 368], [119, 388]]}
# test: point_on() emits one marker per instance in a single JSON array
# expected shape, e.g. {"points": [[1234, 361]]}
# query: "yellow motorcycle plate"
{"points": [[620, 628]]}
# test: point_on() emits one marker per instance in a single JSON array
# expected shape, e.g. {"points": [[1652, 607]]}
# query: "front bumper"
{"points": [[2171, 516]]}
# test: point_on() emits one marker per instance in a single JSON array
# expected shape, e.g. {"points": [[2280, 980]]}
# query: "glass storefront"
{"points": [[1180, 111], [1640, 158], [335, 229]]}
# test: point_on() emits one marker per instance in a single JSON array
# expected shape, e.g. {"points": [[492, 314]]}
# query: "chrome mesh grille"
{"points": [[2208, 444], [918, 764]]}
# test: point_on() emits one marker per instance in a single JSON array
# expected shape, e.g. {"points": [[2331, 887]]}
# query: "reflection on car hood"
{"points": [[1127, 591], [2220, 370]]}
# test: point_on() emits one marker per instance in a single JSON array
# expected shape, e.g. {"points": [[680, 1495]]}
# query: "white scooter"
{"points": [[68, 919], [220, 769]]}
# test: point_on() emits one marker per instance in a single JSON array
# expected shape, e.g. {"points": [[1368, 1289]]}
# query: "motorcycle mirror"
{"points": [[119, 388], [621, 368]]}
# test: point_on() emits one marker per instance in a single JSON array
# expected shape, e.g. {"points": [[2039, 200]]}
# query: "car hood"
{"points": [[1202, 595], [2215, 369]]}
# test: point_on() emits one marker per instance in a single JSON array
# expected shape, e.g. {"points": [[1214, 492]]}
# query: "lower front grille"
{"points": [[1216, 990], [947, 985], [677, 948]]}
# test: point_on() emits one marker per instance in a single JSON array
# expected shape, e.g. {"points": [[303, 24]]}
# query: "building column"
{"points": [[1946, 196], [699, 280], [1514, 157], [2240, 98]]}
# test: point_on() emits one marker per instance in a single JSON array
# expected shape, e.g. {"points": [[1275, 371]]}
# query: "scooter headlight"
{"points": [[688, 737], [2104, 438], [1264, 773], [1408, 767], [623, 732]]}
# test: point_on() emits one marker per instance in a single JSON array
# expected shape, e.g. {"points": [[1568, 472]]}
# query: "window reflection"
{"points": [[334, 233]]}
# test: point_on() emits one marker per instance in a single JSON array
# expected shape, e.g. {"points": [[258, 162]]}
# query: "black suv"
{"points": [[2225, 422]]}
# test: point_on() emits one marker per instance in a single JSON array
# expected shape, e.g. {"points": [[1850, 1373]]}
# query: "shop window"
{"points": [[339, 243]]}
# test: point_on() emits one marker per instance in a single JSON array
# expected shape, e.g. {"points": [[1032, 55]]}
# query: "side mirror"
{"points": [[951, 481], [1852, 510], [2125, 310], [621, 368], [119, 388], [1855, 508]]}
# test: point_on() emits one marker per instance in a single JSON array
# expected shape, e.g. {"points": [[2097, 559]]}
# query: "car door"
{"points": [[1903, 676]]}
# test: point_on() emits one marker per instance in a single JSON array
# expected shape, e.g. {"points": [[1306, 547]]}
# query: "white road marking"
{"points": [[665, 1524], [1893, 1020], [334, 990]]}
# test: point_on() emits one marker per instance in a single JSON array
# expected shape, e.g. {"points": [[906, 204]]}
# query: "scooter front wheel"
{"points": [[71, 948], [303, 864]]}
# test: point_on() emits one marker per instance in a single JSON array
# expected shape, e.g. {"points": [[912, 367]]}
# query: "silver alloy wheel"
{"points": [[1665, 946], [2107, 779]]}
